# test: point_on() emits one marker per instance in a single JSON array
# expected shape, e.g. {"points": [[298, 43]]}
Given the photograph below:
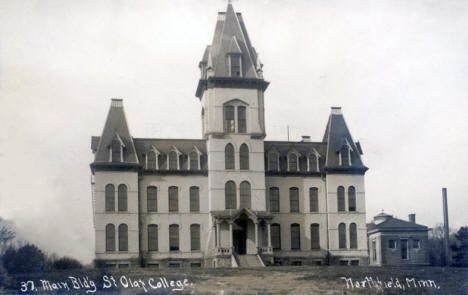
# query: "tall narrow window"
{"points": [[351, 198], [152, 237], [245, 198], [122, 197], [116, 150], [302, 164], [241, 119], [194, 160], [341, 198], [173, 161], [195, 237], [152, 198], [110, 237], [353, 236], [151, 160], [313, 199], [294, 199], [276, 236], [123, 237], [344, 152], [274, 199], [235, 65], [273, 161], [173, 199], [229, 124], [229, 156], [230, 195], [244, 157], [110, 197], [342, 236], [295, 236], [312, 162], [174, 237], [315, 236], [194, 199], [292, 162]]}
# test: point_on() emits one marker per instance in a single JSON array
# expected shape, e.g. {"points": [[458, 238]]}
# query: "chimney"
{"points": [[305, 138], [336, 110], [446, 226], [412, 218]]}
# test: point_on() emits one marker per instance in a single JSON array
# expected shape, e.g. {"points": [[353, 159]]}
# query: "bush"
{"points": [[67, 263], [26, 259]]}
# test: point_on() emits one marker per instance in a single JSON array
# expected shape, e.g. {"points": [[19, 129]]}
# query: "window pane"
{"points": [[230, 195], [229, 156], [194, 199], [152, 198], [122, 197], [110, 237], [352, 198], [341, 198], [295, 237], [313, 195], [274, 199], [315, 236], [241, 119], [173, 199], [244, 156], [110, 197], [276, 236], [152, 237], [245, 198], [174, 237], [123, 237], [195, 237], [294, 199], [342, 235], [353, 236]]}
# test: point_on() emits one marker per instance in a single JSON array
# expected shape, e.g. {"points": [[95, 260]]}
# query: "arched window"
{"points": [[312, 162], [152, 198], [353, 236], [174, 237], [152, 237], [295, 236], [194, 161], [122, 197], [195, 237], [313, 199], [230, 195], [276, 236], [245, 198], [342, 236], [244, 157], [229, 156], [273, 164], [241, 119], [123, 237], [116, 150], [351, 198], [274, 199], [229, 123], [341, 198], [110, 197], [151, 164], [110, 237], [292, 162], [344, 152], [294, 199], [173, 199], [173, 161], [315, 236], [194, 199]]}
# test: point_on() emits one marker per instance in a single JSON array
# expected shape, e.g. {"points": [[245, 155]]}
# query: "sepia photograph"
{"points": [[233, 147]]}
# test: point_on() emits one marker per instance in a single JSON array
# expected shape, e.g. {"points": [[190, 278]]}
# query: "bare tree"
{"points": [[6, 235]]}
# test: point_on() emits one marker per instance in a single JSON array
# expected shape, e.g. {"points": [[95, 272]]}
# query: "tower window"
{"points": [[241, 119], [341, 198], [116, 149], [229, 156], [235, 61], [342, 236], [229, 123], [351, 198], [230, 192], [244, 157]]}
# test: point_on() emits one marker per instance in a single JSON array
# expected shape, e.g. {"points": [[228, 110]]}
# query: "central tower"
{"points": [[231, 91]]}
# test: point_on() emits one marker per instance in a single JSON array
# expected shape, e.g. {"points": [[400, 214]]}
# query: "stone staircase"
{"points": [[249, 261]]}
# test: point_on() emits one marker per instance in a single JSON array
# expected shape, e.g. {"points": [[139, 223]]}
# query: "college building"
{"points": [[230, 198]]}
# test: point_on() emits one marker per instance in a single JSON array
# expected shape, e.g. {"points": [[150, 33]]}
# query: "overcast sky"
{"points": [[399, 70]]}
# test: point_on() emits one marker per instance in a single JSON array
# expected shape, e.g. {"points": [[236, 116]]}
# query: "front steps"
{"points": [[249, 261]]}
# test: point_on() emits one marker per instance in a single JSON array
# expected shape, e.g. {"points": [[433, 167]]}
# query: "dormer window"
{"points": [[293, 161], [273, 161], [345, 155], [152, 159], [195, 159], [235, 65], [173, 162], [116, 149]]}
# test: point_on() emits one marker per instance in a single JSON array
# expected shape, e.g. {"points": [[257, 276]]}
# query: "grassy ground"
{"points": [[271, 280]]}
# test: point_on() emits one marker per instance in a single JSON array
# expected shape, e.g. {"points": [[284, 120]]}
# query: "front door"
{"points": [[239, 236]]}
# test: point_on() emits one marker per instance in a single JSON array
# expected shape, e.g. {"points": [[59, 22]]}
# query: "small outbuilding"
{"points": [[393, 241]]}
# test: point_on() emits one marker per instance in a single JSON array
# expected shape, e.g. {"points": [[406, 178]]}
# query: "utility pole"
{"points": [[287, 129], [446, 227]]}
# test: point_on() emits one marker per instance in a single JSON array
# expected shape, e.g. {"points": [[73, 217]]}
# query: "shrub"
{"points": [[26, 259], [66, 263]]}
